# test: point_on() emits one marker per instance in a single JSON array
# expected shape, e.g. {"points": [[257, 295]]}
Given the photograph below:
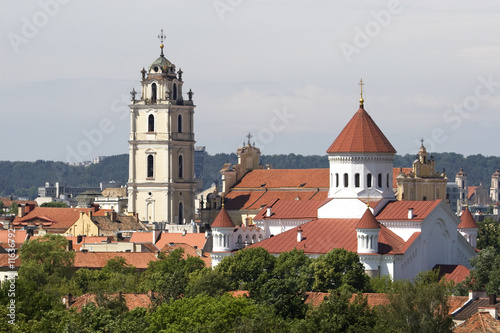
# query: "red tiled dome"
{"points": [[361, 134], [223, 220]]}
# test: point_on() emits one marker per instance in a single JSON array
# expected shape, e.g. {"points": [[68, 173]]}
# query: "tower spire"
{"points": [[361, 100], [161, 37]]}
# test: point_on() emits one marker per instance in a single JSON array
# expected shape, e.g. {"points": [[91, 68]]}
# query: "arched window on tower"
{"points": [[369, 180], [151, 123], [356, 180], [336, 180], [175, 92], [179, 123], [346, 180], [387, 180], [150, 166], [181, 213], [181, 166], [153, 93], [379, 180]]}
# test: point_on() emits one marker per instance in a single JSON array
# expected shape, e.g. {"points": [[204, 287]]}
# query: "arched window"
{"points": [[387, 180], [181, 213], [175, 92], [346, 180], [150, 166], [369, 180], [151, 123], [153, 93], [356, 180], [181, 167], [179, 123], [336, 180], [379, 183], [240, 241]]}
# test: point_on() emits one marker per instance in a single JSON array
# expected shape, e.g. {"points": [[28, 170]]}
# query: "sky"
{"points": [[287, 72]]}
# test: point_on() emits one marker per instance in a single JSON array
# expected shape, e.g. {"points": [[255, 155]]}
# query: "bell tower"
{"points": [[161, 183]]}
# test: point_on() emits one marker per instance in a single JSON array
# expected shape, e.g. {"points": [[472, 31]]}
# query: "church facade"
{"points": [[161, 184]]}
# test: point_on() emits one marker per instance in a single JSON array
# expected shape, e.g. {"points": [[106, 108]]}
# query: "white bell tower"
{"points": [[161, 181]]}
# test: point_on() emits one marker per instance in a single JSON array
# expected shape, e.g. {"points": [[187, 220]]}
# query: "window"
{"points": [[181, 213], [150, 166], [151, 123], [369, 180], [181, 164], [179, 123], [379, 178], [424, 198], [356, 180], [336, 180], [346, 180], [175, 92], [153, 93], [387, 180]]}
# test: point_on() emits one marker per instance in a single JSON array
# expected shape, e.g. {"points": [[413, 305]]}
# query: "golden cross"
{"points": [[361, 84]]}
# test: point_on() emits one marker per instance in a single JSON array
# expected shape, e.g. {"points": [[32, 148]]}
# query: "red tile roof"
{"points": [[367, 221], [398, 210], [4, 260], [361, 135], [395, 173], [99, 259], [223, 220], [479, 322], [55, 218], [294, 209], [141, 237], [471, 190], [193, 239], [17, 240], [189, 251], [131, 300], [255, 200], [323, 235], [456, 273], [285, 178], [468, 221]]}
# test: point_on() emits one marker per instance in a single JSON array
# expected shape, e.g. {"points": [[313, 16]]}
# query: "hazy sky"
{"points": [[286, 71]]}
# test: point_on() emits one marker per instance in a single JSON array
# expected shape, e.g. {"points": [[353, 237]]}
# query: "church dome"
{"points": [[160, 65]]}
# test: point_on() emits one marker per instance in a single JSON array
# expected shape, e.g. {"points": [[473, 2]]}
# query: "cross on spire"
{"points": [[161, 37], [249, 136], [361, 84]]}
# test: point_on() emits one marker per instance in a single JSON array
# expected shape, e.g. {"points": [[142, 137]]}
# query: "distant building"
{"points": [[423, 182], [453, 196], [58, 189]]}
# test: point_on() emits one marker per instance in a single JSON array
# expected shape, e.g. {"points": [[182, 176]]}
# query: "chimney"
{"points": [[410, 213], [269, 212], [151, 295], [67, 300], [492, 299], [112, 216], [475, 294], [20, 210], [184, 232], [299, 234], [247, 219]]}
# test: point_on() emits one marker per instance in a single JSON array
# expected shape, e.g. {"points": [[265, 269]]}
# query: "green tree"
{"points": [[207, 282], [2, 206], [246, 266], [488, 234], [13, 209], [339, 268], [294, 264], [485, 274], [421, 306], [338, 314], [169, 276], [202, 314]]}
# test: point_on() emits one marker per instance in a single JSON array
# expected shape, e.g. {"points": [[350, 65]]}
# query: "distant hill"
{"points": [[24, 178]]}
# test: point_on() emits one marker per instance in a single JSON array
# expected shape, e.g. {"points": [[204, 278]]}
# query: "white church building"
{"points": [[361, 214]]}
